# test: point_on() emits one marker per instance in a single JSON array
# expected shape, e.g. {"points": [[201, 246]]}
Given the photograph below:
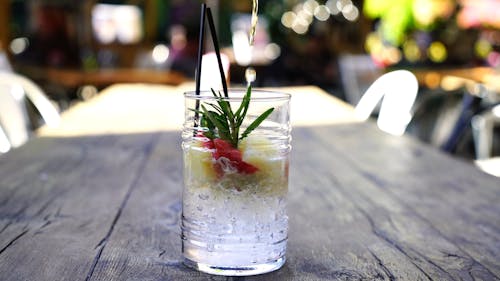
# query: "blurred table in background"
{"points": [[434, 78], [74, 78], [128, 108]]}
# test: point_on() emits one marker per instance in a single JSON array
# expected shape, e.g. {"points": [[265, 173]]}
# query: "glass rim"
{"points": [[273, 95]]}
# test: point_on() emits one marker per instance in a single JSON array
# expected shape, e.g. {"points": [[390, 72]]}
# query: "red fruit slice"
{"points": [[205, 142], [246, 168], [226, 150]]}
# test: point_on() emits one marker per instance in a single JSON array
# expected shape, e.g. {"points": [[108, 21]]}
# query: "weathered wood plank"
{"points": [[458, 202], [145, 244], [334, 233], [59, 199], [363, 206], [358, 241]]}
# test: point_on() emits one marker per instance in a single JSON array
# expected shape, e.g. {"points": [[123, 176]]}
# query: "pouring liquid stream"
{"points": [[253, 27], [250, 73]]}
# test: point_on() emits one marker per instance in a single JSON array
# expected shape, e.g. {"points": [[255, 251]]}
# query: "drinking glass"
{"points": [[234, 219]]}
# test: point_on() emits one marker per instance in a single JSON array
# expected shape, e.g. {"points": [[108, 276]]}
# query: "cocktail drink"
{"points": [[236, 152]]}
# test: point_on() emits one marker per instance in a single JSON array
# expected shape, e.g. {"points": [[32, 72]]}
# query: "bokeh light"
{"points": [[494, 59], [482, 48], [300, 26], [301, 16], [411, 51], [305, 17], [310, 6], [322, 13], [341, 4], [432, 80], [437, 52], [350, 12], [372, 42], [332, 6], [19, 45], [288, 18], [392, 55], [160, 53], [272, 51]]}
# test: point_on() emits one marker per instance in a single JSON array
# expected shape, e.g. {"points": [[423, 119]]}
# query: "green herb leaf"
{"points": [[256, 123], [245, 103], [216, 107], [218, 121], [225, 106], [205, 122], [223, 123]]}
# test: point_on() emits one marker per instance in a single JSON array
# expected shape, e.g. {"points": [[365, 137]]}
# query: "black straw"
{"points": [[217, 51], [200, 47], [198, 62]]}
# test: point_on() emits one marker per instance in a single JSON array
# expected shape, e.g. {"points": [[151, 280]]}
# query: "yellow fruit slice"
{"points": [[199, 162], [260, 152]]}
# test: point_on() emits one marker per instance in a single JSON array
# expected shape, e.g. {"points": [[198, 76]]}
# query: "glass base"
{"points": [[246, 270]]}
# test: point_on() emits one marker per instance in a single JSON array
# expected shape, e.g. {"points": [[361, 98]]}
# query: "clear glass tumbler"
{"points": [[234, 219]]}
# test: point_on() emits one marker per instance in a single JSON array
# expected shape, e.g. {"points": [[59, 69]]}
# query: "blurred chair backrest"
{"points": [[435, 114], [483, 126], [4, 62], [397, 90], [15, 89], [443, 117], [357, 73], [35, 95], [4, 141], [13, 117]]}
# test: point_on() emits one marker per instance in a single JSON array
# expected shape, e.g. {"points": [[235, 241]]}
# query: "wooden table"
{"points": [[138, 108], [74, 78], [363, 205]]}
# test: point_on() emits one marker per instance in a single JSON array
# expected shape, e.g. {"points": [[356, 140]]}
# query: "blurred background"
{"points": [[73, 49]]}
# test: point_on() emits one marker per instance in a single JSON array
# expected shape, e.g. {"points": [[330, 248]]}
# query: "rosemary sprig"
{"points": [[223, 123]]}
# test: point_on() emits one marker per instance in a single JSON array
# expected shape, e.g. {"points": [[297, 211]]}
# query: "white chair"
{"points": [[34, 94], [398, 91], [483, 126], [4, 61], [4, 141], [14, 119]]}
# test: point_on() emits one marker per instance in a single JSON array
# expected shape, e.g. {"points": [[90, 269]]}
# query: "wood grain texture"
{"points": [[59, 199], [146, 242], [363, 205], [442, 214]]}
